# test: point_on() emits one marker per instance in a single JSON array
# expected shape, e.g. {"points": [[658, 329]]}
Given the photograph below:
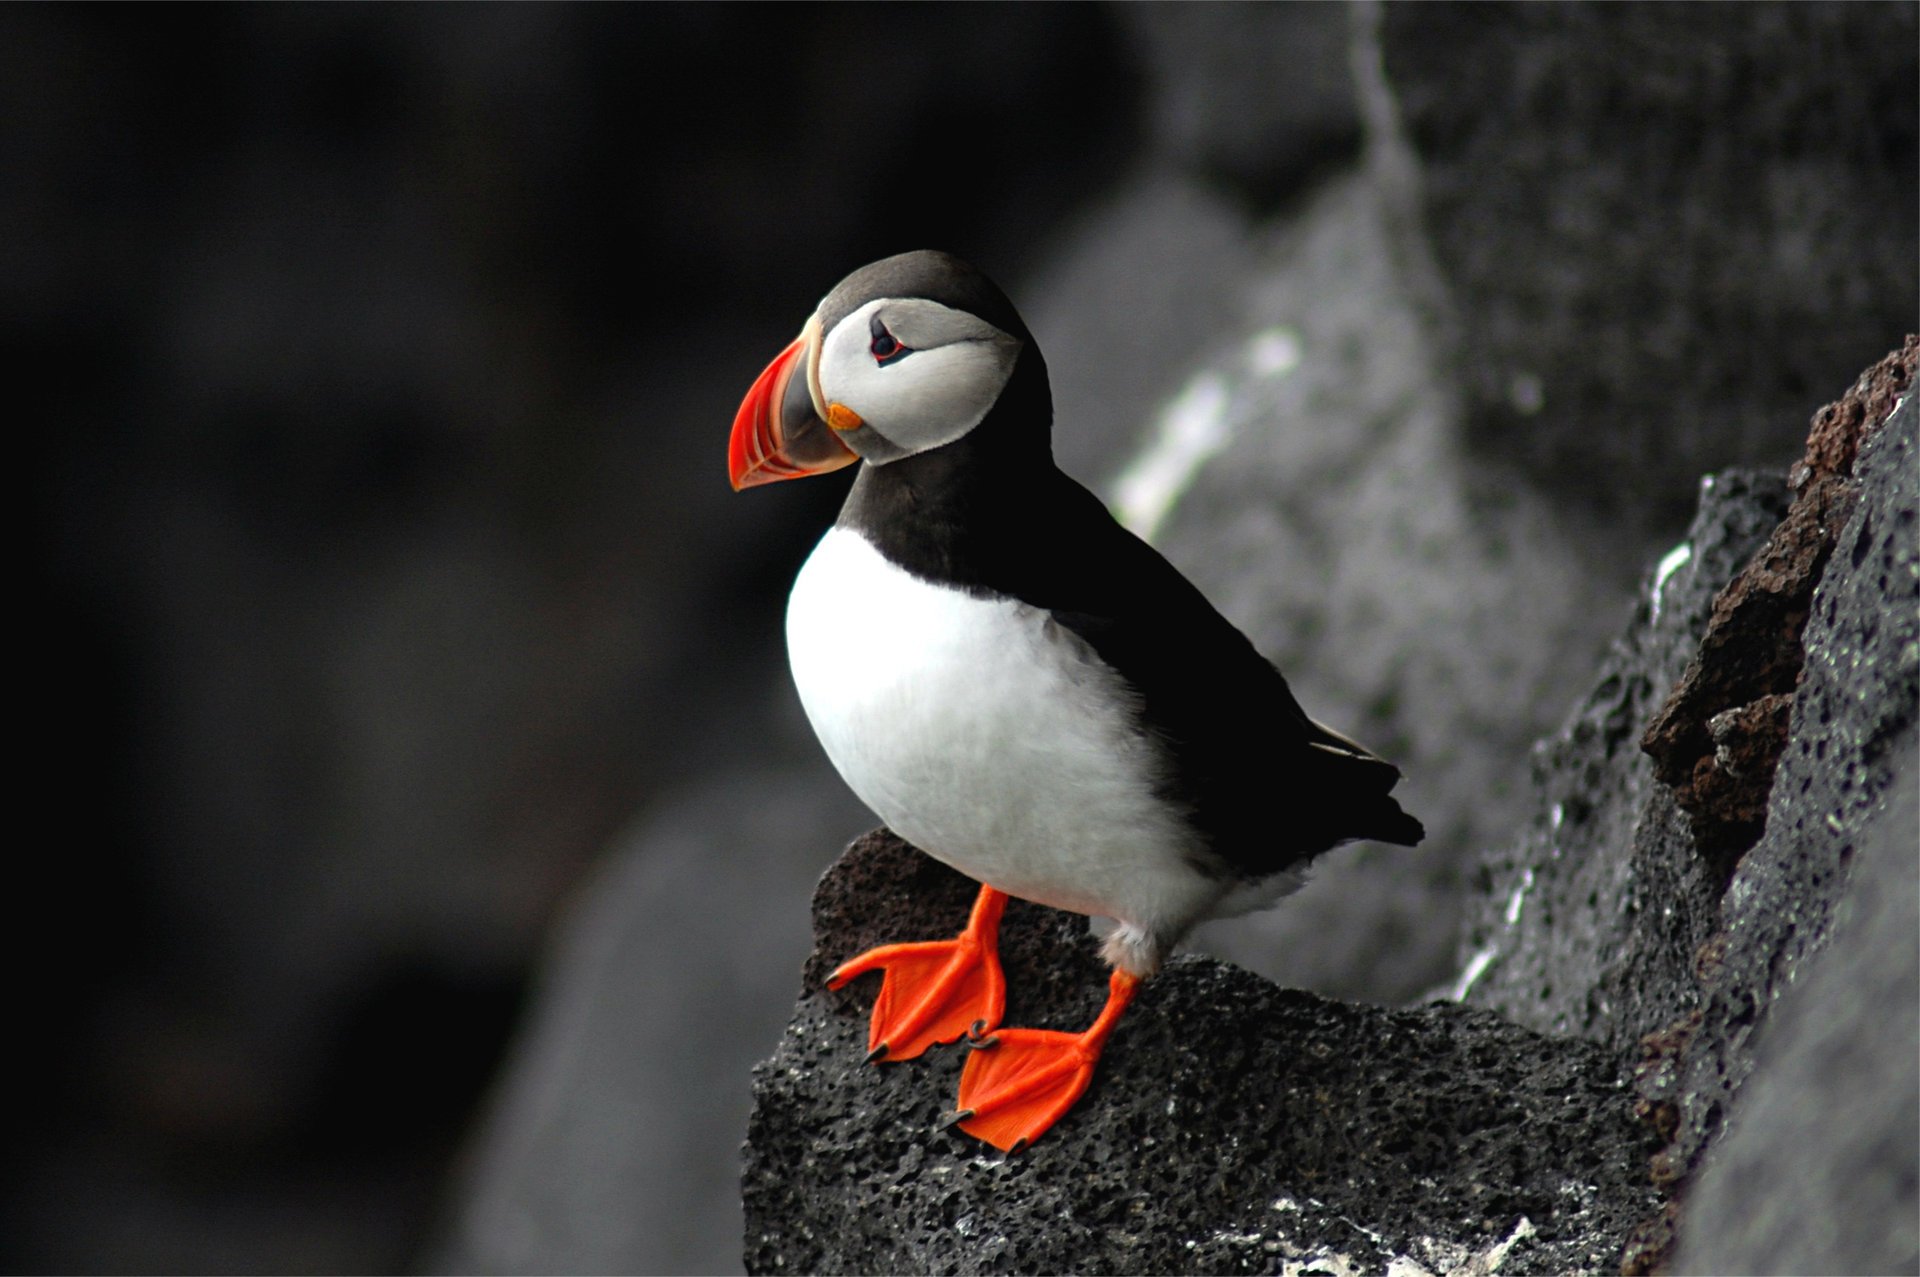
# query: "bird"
{"points": [[1018, 685]]}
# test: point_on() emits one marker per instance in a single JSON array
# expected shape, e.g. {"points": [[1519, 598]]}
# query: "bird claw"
{"points": [[877, 1054], [953, 1119]]}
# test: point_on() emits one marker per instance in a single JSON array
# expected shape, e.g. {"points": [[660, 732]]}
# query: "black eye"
{"points": [[885, 347]]}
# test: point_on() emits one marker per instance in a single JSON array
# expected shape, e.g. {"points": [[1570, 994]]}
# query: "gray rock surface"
{"points": [[1306, 471], [1591, 916], [1856, 717], [1248, 100], [1664, 229], [599, 1158], [1233, 1126], [1818, 1169]]}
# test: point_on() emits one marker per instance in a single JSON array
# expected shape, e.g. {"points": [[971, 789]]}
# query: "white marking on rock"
{"points": [[1490, 1262], [1191, 431], [1519, 896], [1325, 1263], [1675, 559], [1476, 967]]}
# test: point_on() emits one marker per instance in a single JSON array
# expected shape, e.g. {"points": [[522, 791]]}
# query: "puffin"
{"points": [[1019, 686]]}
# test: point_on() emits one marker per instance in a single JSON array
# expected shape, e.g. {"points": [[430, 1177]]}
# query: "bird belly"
{"points": [[990, 737]]}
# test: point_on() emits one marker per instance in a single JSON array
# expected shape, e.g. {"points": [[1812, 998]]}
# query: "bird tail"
{"points": [[1387, 823], [1380, 818]]}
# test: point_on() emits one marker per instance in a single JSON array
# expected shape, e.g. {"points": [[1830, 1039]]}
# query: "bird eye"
{"points": [[885, 347]]}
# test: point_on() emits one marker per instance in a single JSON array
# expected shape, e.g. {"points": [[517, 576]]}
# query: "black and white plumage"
{"points": [[1012, 681]]}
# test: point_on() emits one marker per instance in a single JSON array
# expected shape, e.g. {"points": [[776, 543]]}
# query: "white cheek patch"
{"points": [[956, 369]]}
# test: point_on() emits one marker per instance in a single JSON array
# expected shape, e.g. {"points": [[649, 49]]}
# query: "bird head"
{"points": [[902, 357]]}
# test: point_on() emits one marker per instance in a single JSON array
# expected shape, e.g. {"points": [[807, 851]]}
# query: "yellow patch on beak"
{"points": [[843, 418]]}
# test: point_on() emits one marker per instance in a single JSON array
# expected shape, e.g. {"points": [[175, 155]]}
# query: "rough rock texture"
{"points": [[1855, 719], [1606, 920], [1591, 916], [1233, 1127], [1834, 1095], [1718, 737]]}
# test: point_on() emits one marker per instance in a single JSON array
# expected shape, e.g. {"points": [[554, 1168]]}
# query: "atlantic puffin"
{"points": [[1019, 686]]}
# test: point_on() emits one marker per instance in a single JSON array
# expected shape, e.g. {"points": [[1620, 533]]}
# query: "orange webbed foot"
{"points": [[1022, 1081], [935, 991]]}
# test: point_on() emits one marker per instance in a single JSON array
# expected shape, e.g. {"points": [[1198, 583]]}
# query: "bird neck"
{"points": [[938, 513]]}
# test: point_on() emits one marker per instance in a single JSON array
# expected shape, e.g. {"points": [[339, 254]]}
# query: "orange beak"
{"points": [[778, 433]]}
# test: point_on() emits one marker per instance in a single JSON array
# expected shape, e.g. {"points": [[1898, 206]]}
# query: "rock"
{"points": [[1817, 1170], [1233, 1126], [610, 1147], [1249, 100], [1332, 515], [1380, 426], [1591, 915], [1632, 291], [1856, 715], [1606, 920], [1716, 740]]}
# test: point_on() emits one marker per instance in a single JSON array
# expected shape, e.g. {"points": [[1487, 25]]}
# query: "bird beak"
{"points": [[778, 432]]}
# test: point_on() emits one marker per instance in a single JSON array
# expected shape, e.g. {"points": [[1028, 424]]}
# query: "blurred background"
{"points": [[435, 822]]}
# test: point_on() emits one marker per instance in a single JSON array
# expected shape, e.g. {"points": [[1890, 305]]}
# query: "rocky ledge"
{"points": [[1234, 1126], [1729, 914]]}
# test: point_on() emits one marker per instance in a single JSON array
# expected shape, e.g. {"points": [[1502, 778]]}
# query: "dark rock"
{"points": [[1604, 921], [610, 1144], [1250, 99], [1592, 916], [1233, 1126], [1664, 229], [1817, 1171], [1717, 738], [1854, 719]]}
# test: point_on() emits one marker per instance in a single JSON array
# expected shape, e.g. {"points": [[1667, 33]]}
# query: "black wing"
{"points": [[1268, 785]]}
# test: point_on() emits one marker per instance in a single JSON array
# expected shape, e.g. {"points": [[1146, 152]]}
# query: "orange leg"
{"points": [[938, 990], [1015, 1087]]}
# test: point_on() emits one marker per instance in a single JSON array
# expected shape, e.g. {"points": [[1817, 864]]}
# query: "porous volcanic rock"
{"points": [[1233, 1126], [1612, 918], [1590, 917], [1717, 739], [1817, 1172]]}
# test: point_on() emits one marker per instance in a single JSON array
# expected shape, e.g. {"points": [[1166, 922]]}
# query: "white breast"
{"points": [[988, 736]]}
